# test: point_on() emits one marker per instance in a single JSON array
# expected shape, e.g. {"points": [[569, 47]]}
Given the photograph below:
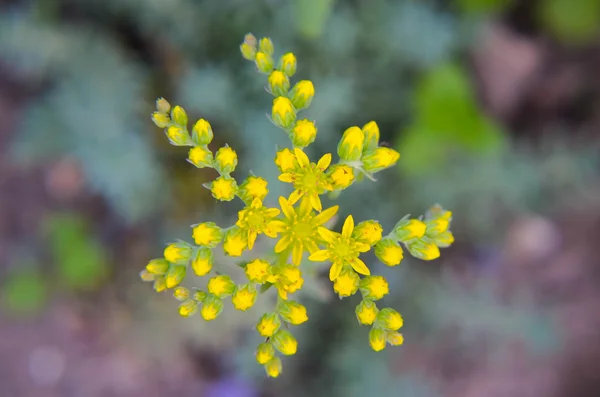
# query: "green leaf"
{"points": [[24, 292], [265, 287]]}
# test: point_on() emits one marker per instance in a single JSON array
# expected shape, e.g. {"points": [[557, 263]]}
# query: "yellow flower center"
{"points": [[303, 230]]}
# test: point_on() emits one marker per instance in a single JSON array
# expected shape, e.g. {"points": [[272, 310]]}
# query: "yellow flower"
{"points": [[279, 84], [235, 241], [285, 160], [179, 116], [175, 275], [308, 178], [211, 308], [292, 312], [389, 319], [303, 133], [221, 286], [256, 219], [437, 226], [202, 262], [201, 157], [266, 45], [351, 145], [188, 308], [302, 94], [224, 188], [287, 279], [244, 297], [377, 339], [178, 136], [202, 132], [394, 338], [158, 266], [374, 287], [409, 229], [178, 253], [342, 250], [341, 176], [268, 324], [389, 252], [207, 234], [368, 232], [288, 64], [371, 131], [162, 105], [248, 47], [264, 353], [283, 113], [366, 312], [200, 296], [181, 293], [299, 228], [226, 160], [424, 250], [444, 240], [161, 119], [346, 284], [285, 342], [257, 270], [379, 159], [273, 367], [264, 62], [254, 187], [160, 284]]}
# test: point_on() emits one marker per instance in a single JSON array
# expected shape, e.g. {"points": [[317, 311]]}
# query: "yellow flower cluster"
{"points": [[299, 225]]}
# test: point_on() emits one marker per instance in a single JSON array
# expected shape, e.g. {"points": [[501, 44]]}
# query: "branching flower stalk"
{"points": [[298, 225]]}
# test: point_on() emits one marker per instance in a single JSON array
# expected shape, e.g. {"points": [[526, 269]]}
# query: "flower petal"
{"points": [[302, 158], [295, 196], [251, 238], [282, 293], [319, 256], [315, 202], [287, 208], [327, 234], [297, 253], [272, 212], [276, 226], [286, 177], [361, 247], [326, 215], [256, 203], [311, 246], [304, 209], [348, 226], [335, 270], [324, 161], [360, 267], [283, 243]]}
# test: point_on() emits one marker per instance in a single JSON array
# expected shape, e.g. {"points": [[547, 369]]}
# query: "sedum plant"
{"points": [[299, 224]]}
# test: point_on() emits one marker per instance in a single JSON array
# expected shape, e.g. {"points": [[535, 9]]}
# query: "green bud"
{"points": [[273, 367], [379, 159], [366, 312], [202, 133], [389, 319], [188, 308], [287, 64], [292, 312], [161, 119], [409, 229], [181, 293], [221, 286], [179, 116], [159, 284], [279, 83], [158, 266], [201, 157], [389, 252], [302, 94], [200, 296], [145, 275], [371, 131], [351, 145], [265, 45], [264, 353], [211, 308], [377, 339], [424, 250], [162, 105], [248, 47], [178, 136], [178, 253], [285, 342], [264, 62], [226, 160], [175, 275]]}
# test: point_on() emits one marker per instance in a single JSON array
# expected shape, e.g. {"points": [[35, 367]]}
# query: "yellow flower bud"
{"points": [[285, 160], [181, 293], [224, 188], [283, 113], [200, 296], [303, 133], [254, 187], [378, 159], [178, 136], [292, 312], [244, 297], [225, 160], [389, 319], [341, 176], [265, 45], [248, 47], [221, 286], [351, 145], [288, 64], [346, 284], [264, 62], [146, 276], [444, 239], [288, 274], [268, 324], [178, 253], [377, 339], [279, 84], [207, 234], [264, 353], [424, 250], [368, 232], [389, 252], [257, 270], [162, 105], [374, 287], [409, 229], [158, 266], [366, 312], [202, 132], [179, 116], [202, 262], [201, 157], [159, 284], [371, 131], [188, 308], [394, 338], [161, 119], [211, 308], [437, 226], [285, 342], [273, 367], [302, 94], [235, 242], [175, 275]]}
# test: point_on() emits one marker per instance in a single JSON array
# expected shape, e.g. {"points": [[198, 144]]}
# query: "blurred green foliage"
{"points": [[24, 290], [573, 21]]}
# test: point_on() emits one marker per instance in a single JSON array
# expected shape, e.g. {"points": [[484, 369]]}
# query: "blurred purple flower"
{"points": [[231, 387]]}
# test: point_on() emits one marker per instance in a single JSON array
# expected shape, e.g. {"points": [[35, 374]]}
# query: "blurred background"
{"points": [[494, 106]]}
